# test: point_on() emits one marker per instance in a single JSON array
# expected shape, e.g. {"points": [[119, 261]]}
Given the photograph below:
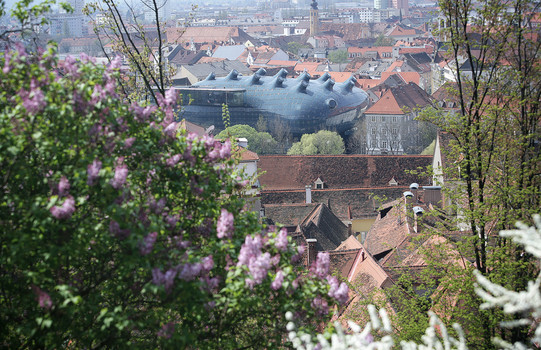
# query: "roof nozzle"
{"points": [[232, 75], [324, 77]]}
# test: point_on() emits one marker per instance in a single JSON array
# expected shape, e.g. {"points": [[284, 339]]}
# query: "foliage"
{"points": [[382, 40], [294, 46], [338, 56], [258, 142], [120, 230], [322, 142], [377, 332]]}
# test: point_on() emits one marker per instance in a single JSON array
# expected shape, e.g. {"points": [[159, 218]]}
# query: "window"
{"points": [[395, 119], [373, 118], [394, 131], [384, 131], [383, 144], [373, 131]]}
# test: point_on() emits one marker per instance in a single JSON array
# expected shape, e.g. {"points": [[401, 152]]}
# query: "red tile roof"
{"points": [[338, 172], [401, 99]]}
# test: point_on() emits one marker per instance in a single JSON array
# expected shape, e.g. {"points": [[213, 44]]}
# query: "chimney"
{"points": [[413, 188], [418, 212], [350, 231], [308, 194], [312, 252], [242, 142]]}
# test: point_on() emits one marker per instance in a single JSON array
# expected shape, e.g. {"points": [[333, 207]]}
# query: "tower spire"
{"points": [[314, 18]]}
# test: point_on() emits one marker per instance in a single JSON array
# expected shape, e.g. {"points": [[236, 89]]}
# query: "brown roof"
{"points": [[324, 226], [355, 203], [288, 214], [201, 35], [388, 231], [338, 172], [401, 99]]}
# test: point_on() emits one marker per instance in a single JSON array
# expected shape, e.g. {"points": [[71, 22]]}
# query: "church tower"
{"points": [[314, 18]]}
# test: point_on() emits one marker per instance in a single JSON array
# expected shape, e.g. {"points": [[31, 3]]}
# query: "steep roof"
{"points": [[388, 231], [288, 214], [338, 172], [324, 226], [401, 99]]}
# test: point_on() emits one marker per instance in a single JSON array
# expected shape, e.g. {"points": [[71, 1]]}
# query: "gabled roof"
{"points": [[220, 69], [388, 231], [324, 226], [288, 214], [340, 172], [401, 99], [201, 35], [387, 104], [231, 52]]}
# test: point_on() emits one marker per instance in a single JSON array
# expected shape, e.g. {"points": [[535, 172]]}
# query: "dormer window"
{"points": [[393, 182], [319, 184]]}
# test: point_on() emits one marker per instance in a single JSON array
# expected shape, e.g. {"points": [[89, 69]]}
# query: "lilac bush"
{"points": [[121, 230]]}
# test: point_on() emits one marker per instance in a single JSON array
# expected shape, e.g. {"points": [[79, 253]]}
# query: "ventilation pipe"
{"points": [[308, 189]]}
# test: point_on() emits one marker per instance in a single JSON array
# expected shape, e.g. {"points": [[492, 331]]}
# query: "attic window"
{"points": [[319, 184], [393, 182]]}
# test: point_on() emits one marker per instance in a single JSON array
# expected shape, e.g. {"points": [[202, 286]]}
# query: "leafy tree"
{"points": [[493, 162], [338, 56], [382, 40], [259, 142], [120, 230], [294, 46], [322, 142]]}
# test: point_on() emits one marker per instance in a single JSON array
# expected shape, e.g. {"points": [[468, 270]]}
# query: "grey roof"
{"points": [[220, 69], [229, 52], [324, 226]]}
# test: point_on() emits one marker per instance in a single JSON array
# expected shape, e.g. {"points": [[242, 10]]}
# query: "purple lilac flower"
{"points": [[171, 129], [275, 260], [70, 66], [167, 330], [322, 264], [115, 229], [189, 271], [63, 187], [44, 299], [115, 63], [300, 252], [148, 243], [259, 267], [93, 171], [34, 104], [320, 305], [121, 172], [166, 279], [207, 263], [7, 66], [225, 150], [65, 210], [172, 220], [225, 224], [157, 206], [339, 291], [250, 249], [171, 97], [129, 142], [281, 240], [277, 283], [142, 113], [171, 162]]}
